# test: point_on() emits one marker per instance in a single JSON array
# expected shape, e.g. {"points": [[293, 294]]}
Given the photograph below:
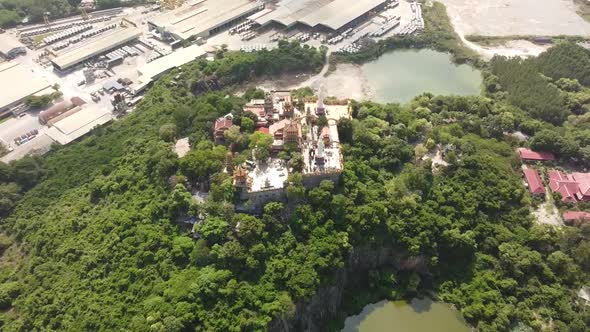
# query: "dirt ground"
{"points": [[547, 213], [521, 48], [347, 81], [516, 17]]}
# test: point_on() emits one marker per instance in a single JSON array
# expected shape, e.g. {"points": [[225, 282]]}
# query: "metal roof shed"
{"points": [[339, 13], [9, 44], [87, 51]]}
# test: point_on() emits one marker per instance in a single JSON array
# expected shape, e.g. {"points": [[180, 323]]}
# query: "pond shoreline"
{"points": [[423, 70], [418, 314]]}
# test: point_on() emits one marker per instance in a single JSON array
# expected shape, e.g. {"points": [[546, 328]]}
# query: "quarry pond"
{"points": [[418, 315], [400, 75]]}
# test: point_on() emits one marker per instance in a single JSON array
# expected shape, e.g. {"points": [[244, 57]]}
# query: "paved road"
{"points": [[14, 127]]}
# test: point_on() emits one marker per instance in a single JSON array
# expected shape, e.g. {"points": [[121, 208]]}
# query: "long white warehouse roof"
{"points": [[330, 13], [18, 82], [202, 15], [71, 58], [176, 59], [290, 12], [340, 12], [8, 43]]}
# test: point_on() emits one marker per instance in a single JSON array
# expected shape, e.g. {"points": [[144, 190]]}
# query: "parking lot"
{"points": [[268, 37]]}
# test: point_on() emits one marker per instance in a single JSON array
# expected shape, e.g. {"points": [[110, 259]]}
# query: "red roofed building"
{"points": [[583, 180], [527, 154], [576, 217], [563, 184], [534, 181], [263, 130], [555, 178], [221, 125]]}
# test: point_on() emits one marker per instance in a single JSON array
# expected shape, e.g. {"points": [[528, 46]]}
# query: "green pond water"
{"points": [[419, 315], [401, 75]]}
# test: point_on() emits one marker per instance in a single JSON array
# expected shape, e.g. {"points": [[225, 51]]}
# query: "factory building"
{"points": [[333, 15], [10, 47], [155, 69], [21, 83], [203, 18], [71, 58]]}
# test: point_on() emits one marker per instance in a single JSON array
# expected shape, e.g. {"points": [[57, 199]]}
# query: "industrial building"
{"points": [[155, 69], [203, 18], [79, 123], [10, 47], [71, 58], [20, 83], [330, 14]]}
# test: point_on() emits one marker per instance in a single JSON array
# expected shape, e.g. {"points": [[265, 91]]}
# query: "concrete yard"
{"points": [[516, 17]]}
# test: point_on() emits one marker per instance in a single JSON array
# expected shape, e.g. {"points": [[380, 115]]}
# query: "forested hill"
{"points": [[99, 243], [12, 12]]}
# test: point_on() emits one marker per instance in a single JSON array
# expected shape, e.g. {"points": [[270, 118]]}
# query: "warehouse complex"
{"points": [[331, 14], [18, 84], [72, 58], [203, 18]]}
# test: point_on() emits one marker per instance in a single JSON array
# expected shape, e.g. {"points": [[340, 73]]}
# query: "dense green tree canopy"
{"points": [[99, 226]]}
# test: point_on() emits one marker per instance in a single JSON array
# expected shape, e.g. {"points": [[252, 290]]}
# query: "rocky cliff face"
{"points": [[326, 302]]}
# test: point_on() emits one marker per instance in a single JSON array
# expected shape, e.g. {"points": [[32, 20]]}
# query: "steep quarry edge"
{"points": [[326, 303]]}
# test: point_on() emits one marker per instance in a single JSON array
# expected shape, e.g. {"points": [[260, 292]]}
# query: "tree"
{"points": [[74, 3], [6, 172], [168, 132], [28, 171], [106, 4], [345, 130], [550, 140], [233, 136], [213, 229], [248, 124], [250, 229], [202, 162], [297, 163], [8, 18], [182, 247], [9, 195], [261, 144]]}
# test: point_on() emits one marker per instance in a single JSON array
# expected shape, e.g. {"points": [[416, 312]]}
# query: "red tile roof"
{"points": [[263, 130], [257, 110], [528, 154], [576, 215], [575, 186], [223, 124], [555, 177], [534, 181], [584, 180], [568, 191]]}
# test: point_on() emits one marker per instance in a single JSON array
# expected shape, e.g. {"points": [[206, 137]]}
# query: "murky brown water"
{"points": [[419, 315]]}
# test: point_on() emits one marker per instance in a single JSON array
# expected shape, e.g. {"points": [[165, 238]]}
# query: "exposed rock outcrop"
{"points": [[325, 304]]}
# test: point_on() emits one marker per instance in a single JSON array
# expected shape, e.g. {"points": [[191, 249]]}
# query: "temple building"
{"points": [[263, 181]]}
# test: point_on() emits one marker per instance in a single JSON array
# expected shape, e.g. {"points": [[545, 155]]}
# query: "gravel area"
{"points": [[516, 17]]}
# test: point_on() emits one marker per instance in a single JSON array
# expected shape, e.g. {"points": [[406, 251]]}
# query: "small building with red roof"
{"points": [[530, 155], [576, 217], [572, 187], [555, 178], [263, 130], [534, 181], [583, 180], [221, 125]]}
